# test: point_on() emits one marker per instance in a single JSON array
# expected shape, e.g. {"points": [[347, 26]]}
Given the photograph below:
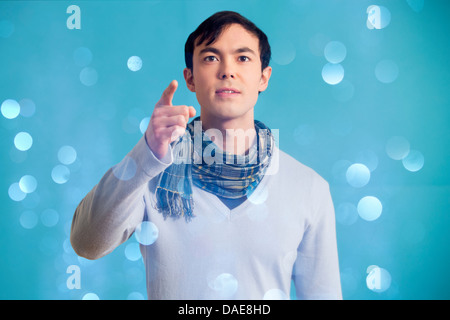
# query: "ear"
{"points": [[189, 78], [265, 76]]}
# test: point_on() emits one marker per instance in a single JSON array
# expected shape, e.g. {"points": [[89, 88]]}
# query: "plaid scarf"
{"points": [[209, 168]]}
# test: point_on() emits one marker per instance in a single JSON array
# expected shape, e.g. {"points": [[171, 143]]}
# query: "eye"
{"points": [[243, 59], [210, 58]]}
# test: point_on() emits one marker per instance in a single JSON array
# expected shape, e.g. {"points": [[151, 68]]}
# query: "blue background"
{"points": [[328, 127]]}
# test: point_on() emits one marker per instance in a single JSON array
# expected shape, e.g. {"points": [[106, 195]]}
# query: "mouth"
{"points": [[227, 91]]}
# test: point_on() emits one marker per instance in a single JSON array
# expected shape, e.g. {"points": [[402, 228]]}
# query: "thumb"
{"points": [[167, 96]]}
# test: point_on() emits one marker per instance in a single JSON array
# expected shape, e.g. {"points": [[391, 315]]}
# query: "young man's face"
{"points": [[227, 75]]}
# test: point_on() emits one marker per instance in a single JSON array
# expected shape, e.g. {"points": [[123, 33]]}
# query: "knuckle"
{"points": [[181, 120], [185, 110], [157, 111]]}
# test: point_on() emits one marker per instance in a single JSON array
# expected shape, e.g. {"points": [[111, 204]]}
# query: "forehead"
{"points": [[233, 36]]}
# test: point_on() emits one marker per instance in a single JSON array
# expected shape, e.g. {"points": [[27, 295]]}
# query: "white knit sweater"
{"points": [[285, 231]]}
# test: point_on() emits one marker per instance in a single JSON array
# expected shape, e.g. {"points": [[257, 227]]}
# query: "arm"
{"points": [[110, 212], [316, 270]]}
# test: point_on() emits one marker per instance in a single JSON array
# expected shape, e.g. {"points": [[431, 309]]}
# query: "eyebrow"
{"points": [[217, 51]]}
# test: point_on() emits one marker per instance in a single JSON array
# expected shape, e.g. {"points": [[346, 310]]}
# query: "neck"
{"points": [[234, 136]]}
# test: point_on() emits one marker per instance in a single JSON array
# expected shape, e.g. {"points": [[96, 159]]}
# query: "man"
{"points": [[224, 215]]}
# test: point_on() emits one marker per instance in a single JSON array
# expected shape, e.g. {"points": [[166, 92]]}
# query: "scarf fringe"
{"points": [[173, 204]]}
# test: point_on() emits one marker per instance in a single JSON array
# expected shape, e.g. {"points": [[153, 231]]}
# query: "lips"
{"points": [[227, 91]]}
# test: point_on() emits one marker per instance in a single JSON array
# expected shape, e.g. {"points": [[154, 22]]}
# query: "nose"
{"points": [[224, 76], [226, 71]]}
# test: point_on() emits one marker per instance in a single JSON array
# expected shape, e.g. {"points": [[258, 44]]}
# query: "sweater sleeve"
{"points": [[109, 213], [316, 270]]}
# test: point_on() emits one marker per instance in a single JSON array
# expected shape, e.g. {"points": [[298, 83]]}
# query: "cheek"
{"points": [[256, 77], [256, 85], [202, 73], [253, 98], [202, 94], [201, 81]]}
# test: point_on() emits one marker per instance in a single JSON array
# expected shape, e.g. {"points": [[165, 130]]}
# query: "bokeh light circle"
{"points": [[28, 219], [358, 175], [335, 52], [144, 124], [397, 147], [369, 208], [378, 279], [88, 76], [134, 63], [67, 155], [413, 161], [10, 109], [90, 296], [225, 285], [132, 251], [23, 141], [332, 73], [258, 196], [275, 294], [15, 193], [386, 71], [126, 169], [283, 51], [60, 174], [146, 233], [28, 184], [135, 296], [378, 17]]}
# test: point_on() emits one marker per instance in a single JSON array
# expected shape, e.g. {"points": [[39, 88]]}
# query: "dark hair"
{"points": [[210, 29]]}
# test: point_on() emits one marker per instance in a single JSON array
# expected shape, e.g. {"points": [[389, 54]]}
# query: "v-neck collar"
{"points": [[234, 212], [223, 208]]}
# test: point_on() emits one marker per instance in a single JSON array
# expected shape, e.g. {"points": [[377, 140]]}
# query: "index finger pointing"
{"points": [[167, 96]]}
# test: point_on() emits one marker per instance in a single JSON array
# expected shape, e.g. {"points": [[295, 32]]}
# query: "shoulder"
{"points": [[291, 169], [297, 187]]}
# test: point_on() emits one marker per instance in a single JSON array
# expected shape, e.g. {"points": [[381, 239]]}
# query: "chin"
{"points": [[226, 112], [229, 119]]}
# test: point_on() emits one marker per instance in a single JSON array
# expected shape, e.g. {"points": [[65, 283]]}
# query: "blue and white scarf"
{"points": [[223, 174]]}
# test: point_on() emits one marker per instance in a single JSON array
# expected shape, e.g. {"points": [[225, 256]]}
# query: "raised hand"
{"points": [[168, 122]]}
